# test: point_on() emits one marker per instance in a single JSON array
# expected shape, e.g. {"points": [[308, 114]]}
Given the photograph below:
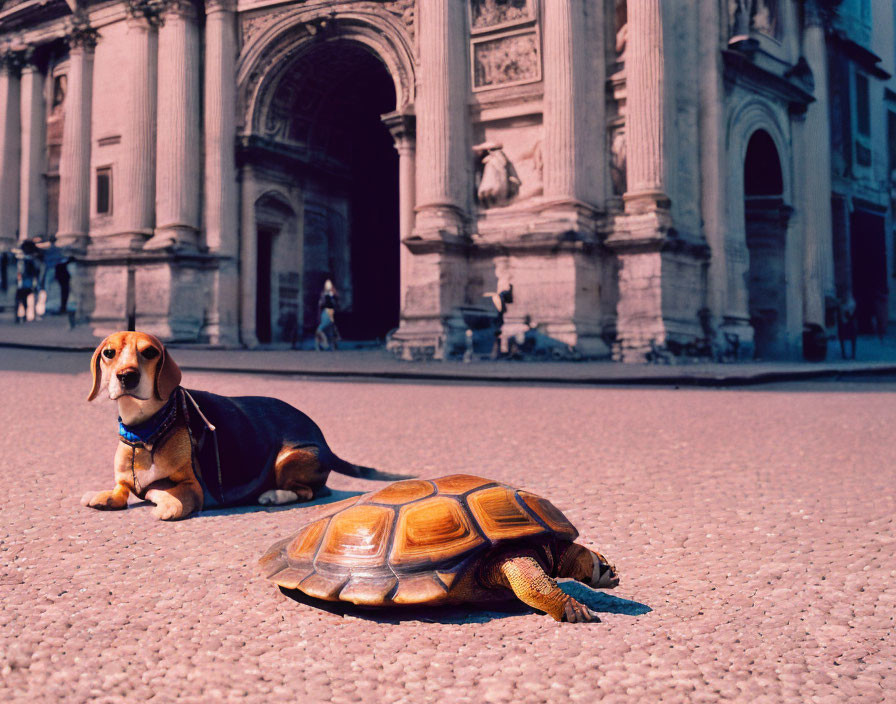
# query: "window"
{"points": [[104, 191], [863, 107]]}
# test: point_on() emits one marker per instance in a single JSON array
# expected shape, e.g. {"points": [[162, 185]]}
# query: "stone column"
{"points": [[401, 126], [563, 51], [248, 288], [220, 188], [645, 101], [661, 279], [443, 149], [178, 167], [10, 146], [436, 269], [818, 278], [136, 205], [714, 180], [32, 187], [74, 164]]}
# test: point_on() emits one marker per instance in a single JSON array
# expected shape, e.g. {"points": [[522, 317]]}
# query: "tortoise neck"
{"points": [[574, 562]]}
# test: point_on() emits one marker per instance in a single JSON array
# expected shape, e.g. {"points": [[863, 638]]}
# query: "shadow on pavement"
{"points": [[331, 496], [602, 602], [595, 600]]}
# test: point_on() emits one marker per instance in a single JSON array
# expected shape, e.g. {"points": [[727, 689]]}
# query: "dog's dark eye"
{"points": [[150, 353], [108, 353]]}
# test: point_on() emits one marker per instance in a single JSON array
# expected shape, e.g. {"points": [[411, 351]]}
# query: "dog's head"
{"points": [[133, 364]]}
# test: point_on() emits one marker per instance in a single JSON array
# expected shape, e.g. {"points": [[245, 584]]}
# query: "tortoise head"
{"points": [[587, 566]]}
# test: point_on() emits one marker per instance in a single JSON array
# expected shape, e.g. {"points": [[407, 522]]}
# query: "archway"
{"points": [[766, 217], [323, 120]]}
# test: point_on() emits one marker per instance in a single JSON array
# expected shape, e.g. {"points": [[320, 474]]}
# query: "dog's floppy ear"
{"points": [[168, 374], [95, 369]]}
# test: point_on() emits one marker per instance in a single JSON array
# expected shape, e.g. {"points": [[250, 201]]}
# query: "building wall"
{"points": [[536, 160]]}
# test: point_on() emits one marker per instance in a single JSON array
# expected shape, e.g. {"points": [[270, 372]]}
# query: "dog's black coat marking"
{"points": [[235, 463]]}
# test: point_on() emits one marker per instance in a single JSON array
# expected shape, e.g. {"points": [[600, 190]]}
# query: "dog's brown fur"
{"points": [[164, 475]]}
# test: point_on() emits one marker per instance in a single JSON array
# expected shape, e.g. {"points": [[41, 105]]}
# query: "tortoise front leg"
{"points": [[528, 580]]}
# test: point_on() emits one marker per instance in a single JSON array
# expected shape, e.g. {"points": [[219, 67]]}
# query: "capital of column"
{"points": [[182, 9], [212, 6], [81, 36], [402, 127], [13, 59], [816, 12]]}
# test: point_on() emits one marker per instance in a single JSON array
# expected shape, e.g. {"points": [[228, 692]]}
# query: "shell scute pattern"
{"points": [[409, 542], [432, 531]]}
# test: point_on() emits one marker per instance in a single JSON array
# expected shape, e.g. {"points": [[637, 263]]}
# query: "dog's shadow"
{"points": [[457, 615], [328, 496]]}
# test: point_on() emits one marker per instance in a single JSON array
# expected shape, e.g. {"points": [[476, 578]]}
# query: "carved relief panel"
{"points": [[492, 14], [506, 46]]}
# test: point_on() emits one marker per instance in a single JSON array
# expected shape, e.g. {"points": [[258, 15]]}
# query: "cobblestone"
{"points": [[753, 531]]}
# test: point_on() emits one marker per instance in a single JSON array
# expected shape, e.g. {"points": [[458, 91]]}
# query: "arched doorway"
{"points": [[324, 121], [766, 233]]}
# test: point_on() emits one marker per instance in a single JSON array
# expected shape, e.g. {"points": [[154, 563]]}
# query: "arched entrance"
{"points": [[766, 218], [323, 140]]}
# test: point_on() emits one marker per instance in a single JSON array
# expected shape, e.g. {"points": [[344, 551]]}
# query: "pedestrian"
{"points": [[27, 280], [56, 265], [327, 334]]}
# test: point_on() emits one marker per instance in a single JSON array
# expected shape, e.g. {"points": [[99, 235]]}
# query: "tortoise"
{"points": [[456, 539]]}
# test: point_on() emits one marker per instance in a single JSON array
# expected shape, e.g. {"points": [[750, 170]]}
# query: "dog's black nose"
{"points": [[129, 380]]}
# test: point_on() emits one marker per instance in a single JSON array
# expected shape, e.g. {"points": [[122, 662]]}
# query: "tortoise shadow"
{"points": [[602, 602], [465, 614]]}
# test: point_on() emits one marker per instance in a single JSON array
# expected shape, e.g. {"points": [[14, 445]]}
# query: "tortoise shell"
{"points": [[414, 542]]}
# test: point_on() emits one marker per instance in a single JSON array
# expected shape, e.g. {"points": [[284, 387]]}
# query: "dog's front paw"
{"points": [[103, 500], [169, 509]]}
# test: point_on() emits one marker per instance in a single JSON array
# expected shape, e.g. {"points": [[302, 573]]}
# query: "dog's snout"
{"points": [[129, 378]]}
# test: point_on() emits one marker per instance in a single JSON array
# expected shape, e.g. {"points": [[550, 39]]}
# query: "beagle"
{"points": [[186, 450]]}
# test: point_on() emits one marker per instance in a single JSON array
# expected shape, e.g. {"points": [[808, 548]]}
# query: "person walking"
{"points": [[27, 280], [327, 334]]}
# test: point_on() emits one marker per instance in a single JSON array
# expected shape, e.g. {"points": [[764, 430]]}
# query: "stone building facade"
{"points": [[645, 173]]}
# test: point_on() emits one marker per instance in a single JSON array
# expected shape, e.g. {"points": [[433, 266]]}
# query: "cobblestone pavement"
{"points": [[753, 530]]}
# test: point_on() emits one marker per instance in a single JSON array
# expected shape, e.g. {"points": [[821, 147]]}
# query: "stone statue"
{"points": [[618, 162], [498, 182], [753, 15]]}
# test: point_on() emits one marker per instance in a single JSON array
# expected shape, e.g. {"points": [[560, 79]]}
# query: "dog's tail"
{"points": [[357, 470]]}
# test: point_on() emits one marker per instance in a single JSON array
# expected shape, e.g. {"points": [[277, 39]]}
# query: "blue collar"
{"points": [[151, 430]]}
